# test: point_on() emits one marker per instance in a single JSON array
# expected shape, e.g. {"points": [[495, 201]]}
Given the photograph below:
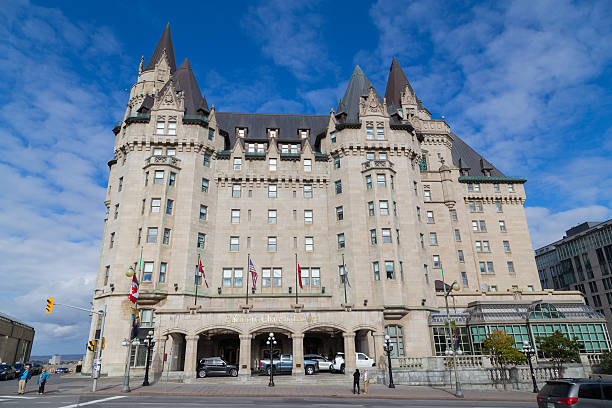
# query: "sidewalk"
{"points": [[112, 386]]}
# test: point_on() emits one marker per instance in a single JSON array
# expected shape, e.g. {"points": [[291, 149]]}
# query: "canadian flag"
{"points": [[134, 290]]}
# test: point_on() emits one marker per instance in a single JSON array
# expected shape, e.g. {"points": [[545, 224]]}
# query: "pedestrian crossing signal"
{"points": [[50, 302], [91, 345]]}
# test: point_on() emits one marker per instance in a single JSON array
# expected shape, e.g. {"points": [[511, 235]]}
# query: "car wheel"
{"points": [[268, 370], [233, 372], [202, 373], [309, 370], [342, 369]]}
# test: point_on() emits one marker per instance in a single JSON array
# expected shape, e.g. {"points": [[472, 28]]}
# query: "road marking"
{"points": [[16, 397], [80, 404]]}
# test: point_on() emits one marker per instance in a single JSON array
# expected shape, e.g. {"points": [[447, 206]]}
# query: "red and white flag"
{"points": [[134, 289], [299, 271], [253, 274], [201, 270]]}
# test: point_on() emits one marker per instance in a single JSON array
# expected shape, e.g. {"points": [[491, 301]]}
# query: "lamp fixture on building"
{"points": [[219, 290]]}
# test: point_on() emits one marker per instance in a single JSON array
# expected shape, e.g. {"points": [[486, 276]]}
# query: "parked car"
{"points": [[62, 370], [361, 361], [324, 364], [578, 392], [216, 366], [18, 368], [285, 365], [7, 372], [35, 368]]}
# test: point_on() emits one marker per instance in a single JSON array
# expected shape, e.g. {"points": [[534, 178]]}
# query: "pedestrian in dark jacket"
{"points": [[42, 380], [356, 376]]}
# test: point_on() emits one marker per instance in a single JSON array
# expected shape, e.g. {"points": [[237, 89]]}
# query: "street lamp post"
{"points": [[128, 343], [388, 349], [530, 352], [150, 343], [271, 341], [458, 391]]}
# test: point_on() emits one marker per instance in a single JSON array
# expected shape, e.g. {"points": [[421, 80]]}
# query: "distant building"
{"points": [[55, 359], [582, 261], [15, 340]]}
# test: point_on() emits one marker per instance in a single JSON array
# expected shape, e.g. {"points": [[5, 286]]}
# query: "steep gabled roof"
{"points": [[165, 43], [185, 81], [396, 83], [467, 158], [358, 86]]}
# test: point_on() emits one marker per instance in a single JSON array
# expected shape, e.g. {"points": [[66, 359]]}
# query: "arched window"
{"points": [[545, 311], [396, 338]]}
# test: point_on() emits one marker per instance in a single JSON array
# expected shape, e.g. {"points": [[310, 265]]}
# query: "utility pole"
{"points": [[99, 353]]}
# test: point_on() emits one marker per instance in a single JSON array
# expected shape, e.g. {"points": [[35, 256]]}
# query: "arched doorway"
{"points": [[223, 343], [176, 352], [260, 350], [324, 341]]}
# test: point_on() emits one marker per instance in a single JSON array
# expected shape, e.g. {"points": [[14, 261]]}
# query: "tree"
{"points": [[560, 349], [606, 362], [500, 347]]}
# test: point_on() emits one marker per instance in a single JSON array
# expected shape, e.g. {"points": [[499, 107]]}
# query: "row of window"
{"points": [[476, 206], [271, 277], [271, 133], [158, 178], [272, 190], [484, 266], [381, 181], [476, 187]]}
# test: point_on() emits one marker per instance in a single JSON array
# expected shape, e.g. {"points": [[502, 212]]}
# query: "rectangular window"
{"points": [[373, 236], [502, 226], [272, 191], [271, 216], [272, 244], [234, 244], [376, 270], [151, 235], [390, 269], [506, 246], [332, 136], [339, 187], [380, 133], [159, 177], [206, 161], [483, 225], [470, 187], [382, 156], [227, 277], [336, 162], [496, 187], [204, 185], [266, 279], [172, 179], [457, 235], [278, 277], [340, 241], [414, 187], [384, 207], [117, 211], [171, 152], [453, 215], [460, 255], [172, 128], [471, 206], [381, 180], [147, 270], [430, 216], [203, 212], [307, 190], [498, 206], [371, 208], [201, 240], [427, 195], [307, 216], [478, 206], [436, 261], [237, 277], [309, 244], [235, 216], [272, 165], [237, 163], [511, 188], [485, 246], [169, 206], [433, 238], [160, 127], [483, 267], [236, 190], [370, 156], [510, 267], [474, 225], [211, 134], [464, 279], [478, 246], [369, 133], [490, 267], [339, 213], [112, 240], [166, 238], [163, 267], [368, 182], [307, 165], [418, 213], [305, 276], [422, 240], [386, 235], [315, 276], [120, 184], [476, 187]]}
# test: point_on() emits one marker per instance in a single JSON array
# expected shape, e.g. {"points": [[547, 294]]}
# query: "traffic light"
{"points": [[50, 302], [103, 341], [91, 345]]}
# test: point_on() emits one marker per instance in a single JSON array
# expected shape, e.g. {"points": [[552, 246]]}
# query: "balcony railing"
{"points": [[377, 164], [162, 159], [138, 118]]}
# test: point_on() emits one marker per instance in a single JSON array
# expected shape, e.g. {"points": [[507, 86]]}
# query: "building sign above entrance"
{"points": [[271, 318]]}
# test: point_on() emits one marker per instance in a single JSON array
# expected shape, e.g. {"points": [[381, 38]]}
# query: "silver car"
{"points": [[324, 364], [576, 392]]}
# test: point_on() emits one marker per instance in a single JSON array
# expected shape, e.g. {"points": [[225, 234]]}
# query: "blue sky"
{"points": [[528, 84]]}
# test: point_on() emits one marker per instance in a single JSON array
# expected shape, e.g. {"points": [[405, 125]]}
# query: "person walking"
{"points": [[356, 376], [366, 381], [42, 380], [25, 376]]}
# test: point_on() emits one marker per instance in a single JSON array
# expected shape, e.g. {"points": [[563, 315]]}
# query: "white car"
{"points": [[324, 364], [361, 361]]}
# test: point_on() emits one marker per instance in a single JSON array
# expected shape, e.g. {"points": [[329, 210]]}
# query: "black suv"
{"points": [[578, 392], [213, 366]]}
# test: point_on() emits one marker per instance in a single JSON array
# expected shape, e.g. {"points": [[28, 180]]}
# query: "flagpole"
{"points": [[247, 278], [344, 278], [296, 280], [195, 301]]}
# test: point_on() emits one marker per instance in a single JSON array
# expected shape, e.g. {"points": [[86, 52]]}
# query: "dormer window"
{"points": [[465, 172], [241, 132], [370, 132], [272, 133], [487, 173], [172, 127], [289, 148], [160, 127], [303, 133], [256, 147]]}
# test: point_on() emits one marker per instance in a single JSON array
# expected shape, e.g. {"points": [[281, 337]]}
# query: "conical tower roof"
{"points": [[396, 83], [185, 81], [358, 86], [165, 43]]}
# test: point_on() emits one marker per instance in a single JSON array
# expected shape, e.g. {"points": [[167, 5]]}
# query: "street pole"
{"points": [[458, 391], [389, 348], [271, 341], [150, 343], [126, 371], [529, 352], [99, 352]]}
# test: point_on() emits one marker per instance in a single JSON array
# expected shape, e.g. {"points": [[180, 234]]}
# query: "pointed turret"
{"points": [[396, 85], [165, 44], [185, 81], [358, 87]]}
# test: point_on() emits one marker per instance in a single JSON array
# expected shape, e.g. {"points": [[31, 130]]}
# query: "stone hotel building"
{"points": [[371, 200]]}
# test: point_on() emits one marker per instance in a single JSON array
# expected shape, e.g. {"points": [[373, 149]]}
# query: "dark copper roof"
{"points": [[165, 43], [359, 85], [185, 81], [396, 82]]}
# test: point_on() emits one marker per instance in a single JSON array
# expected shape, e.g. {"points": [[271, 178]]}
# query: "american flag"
{"points": [[253, 274]]}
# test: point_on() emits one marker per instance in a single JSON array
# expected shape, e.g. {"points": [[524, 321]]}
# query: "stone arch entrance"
{"points": [[176, 348], [261, 351], [219, 342], [323, 340]]}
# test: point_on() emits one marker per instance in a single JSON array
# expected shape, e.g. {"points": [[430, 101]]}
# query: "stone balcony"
{"points": [[162, 160], [377, 164]]}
